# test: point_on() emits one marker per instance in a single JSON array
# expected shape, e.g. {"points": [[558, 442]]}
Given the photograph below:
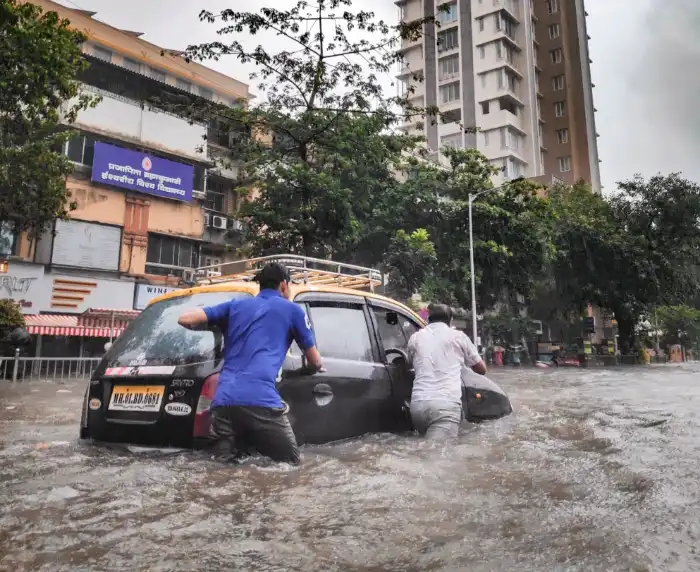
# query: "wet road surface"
{"points": [[596, 470]]}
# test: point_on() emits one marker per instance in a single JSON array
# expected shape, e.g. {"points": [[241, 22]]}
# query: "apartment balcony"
{"points": [[502, 118], [128, 120], [446, 129]]}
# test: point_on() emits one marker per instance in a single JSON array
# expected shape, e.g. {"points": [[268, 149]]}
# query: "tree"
{"points": [[680, 323], [636, 250], [320, 150], [511, 228], [40, 57], [410, 260], [10, 315]]}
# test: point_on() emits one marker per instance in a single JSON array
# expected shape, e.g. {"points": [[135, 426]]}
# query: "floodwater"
{"points": [[596, 470]]}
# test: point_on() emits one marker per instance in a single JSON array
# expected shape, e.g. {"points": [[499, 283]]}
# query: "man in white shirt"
{"points": [[438, 353]]}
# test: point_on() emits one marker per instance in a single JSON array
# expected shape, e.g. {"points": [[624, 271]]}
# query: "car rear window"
{"points": [[155, 337]]}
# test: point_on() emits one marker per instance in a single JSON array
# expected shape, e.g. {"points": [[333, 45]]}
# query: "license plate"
{"points": [[146, 398]]}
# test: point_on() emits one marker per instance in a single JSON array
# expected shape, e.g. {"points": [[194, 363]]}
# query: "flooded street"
{"points": [[596, 470]]}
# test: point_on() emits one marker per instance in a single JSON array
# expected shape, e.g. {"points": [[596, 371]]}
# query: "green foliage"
{"points": [[680, 323], [10, 315], [410, 259], [635, 250], [40, 58]]}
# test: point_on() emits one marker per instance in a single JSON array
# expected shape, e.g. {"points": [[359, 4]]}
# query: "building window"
{"points": [[505, 24], [169, 255], [565, 164], [449, 67], [485, 107], [132, 65], [554, 31], [447, 13], [557, 56], [482, 52], [560, 108], [558, 82], [503, 50], [487, 138], [8, 239], [80, 149], [449, 93], [507, 80], [453, 141], [552, 6], [510, 139], [184, 85], [206, 93], [481, 24], [448, 40], [102, 53], [157, 75], [513, 169], [562, 136]]}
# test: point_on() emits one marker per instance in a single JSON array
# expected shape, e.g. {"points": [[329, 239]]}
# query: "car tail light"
{"points": [[206, 396]]}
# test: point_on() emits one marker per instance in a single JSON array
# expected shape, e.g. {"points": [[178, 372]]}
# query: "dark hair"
{"points": [[272, 275], [439, 313]]}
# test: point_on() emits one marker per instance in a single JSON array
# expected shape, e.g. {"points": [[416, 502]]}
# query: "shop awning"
{"points": [[67, 325]]}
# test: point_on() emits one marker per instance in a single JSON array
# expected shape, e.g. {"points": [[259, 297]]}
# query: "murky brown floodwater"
{"points": [[596, 470]]}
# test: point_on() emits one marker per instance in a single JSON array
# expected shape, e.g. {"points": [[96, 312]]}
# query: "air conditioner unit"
{"points": [[207, 219], [234, 224], [219, 222], [199, 195], [188, 276]]}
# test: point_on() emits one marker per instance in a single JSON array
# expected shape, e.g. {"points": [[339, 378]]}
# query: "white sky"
{"points": [[645, 69]]}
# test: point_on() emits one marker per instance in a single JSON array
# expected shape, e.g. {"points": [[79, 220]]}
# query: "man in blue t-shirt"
{"points": [[257, 335]]}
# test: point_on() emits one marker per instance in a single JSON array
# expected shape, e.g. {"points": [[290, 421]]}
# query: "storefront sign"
{"points": [[86, 245], [146, 292], [22, 284], [140, 172]]}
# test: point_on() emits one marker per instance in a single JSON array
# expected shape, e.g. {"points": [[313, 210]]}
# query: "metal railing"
{"points": [[17, 369]]}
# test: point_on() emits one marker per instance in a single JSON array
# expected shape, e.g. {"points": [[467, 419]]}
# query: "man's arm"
{"points": [[304, 337], [193, 319], [199, 318], [472, 359]]}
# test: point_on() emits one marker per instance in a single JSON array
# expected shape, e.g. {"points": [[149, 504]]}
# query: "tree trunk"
{"points": [[625, 325]]}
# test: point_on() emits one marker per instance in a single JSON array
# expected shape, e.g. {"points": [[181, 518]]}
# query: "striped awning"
{"points": [[67, 325]]}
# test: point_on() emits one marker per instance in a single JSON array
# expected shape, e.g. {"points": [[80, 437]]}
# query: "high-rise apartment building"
{"points": [[518, 71]]}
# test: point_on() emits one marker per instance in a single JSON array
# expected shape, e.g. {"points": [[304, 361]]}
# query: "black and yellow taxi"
{"points": [[156, 383]]}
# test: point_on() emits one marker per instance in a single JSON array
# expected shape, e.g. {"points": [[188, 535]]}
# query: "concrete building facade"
{"points": [[155, 199], [491, 65]]}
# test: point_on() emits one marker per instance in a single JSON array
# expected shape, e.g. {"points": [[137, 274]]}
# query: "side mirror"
{"points": [[401, 357]]}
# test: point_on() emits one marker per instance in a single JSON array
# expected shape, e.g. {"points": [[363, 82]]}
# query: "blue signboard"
{"points": [[140, 172]]}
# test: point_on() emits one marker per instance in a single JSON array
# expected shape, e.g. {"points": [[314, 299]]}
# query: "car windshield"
{"points": [[155, 337]]}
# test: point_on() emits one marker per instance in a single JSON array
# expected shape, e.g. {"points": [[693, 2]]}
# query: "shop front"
{"points": [[81, 335]]}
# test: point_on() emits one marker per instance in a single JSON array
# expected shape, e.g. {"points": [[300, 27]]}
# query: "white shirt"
{"points": [[438, 353]]}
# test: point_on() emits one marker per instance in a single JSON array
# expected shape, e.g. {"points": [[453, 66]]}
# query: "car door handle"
{"points": [[322, 389]]}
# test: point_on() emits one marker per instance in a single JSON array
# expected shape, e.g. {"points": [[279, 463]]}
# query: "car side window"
{"points": [[409, 326], [341, 331], [389, 327]]}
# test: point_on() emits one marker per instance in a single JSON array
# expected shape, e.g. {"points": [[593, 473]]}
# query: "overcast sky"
{"points": [[646, 57]]}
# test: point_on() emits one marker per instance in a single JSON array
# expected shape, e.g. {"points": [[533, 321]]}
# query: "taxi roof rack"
{"points": [[303, 270]]}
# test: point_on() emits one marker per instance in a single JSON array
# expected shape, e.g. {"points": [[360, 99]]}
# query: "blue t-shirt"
{"points": [[257, 335]]}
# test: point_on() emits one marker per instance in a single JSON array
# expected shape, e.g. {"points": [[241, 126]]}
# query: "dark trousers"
{"points": [[238, 429]]}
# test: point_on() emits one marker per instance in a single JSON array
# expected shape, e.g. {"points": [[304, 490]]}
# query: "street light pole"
{"points": [[472, 197], [471, 270]]}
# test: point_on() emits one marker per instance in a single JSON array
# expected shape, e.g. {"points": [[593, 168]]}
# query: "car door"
{"points": [[394, 328], [354, 395]]}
